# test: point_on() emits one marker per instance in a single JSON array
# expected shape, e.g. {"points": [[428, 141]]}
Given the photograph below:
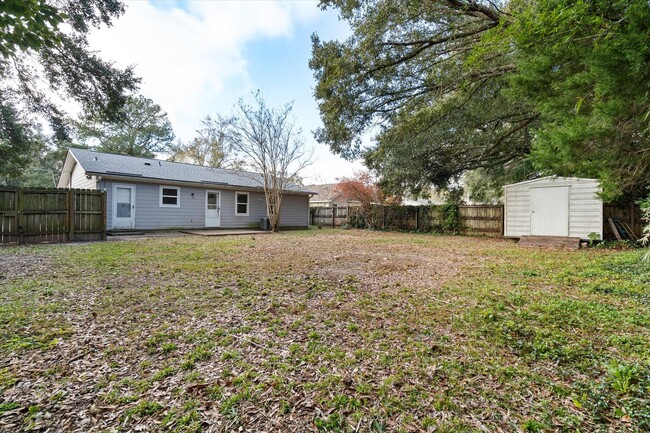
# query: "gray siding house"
{"points": [[150, 194]]}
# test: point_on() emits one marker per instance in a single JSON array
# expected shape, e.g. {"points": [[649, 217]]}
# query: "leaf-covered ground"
{"points": [[323, 330]]}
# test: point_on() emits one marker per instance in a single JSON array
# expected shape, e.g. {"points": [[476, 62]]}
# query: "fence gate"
{"points": [[335, 216], [33, 215]]}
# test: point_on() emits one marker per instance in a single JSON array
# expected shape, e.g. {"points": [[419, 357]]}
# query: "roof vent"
{"points": [[147, 163], [96, 159], [159, 163]]}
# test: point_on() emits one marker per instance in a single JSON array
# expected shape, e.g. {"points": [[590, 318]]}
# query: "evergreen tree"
{"points": [[142, 129], [43, 52], [514, 88]]}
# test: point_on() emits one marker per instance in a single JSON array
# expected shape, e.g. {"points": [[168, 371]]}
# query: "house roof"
{"points": [[122, 166], [324, 192]]}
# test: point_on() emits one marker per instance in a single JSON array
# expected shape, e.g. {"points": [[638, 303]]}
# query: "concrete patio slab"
{"points": [[225, 232]]}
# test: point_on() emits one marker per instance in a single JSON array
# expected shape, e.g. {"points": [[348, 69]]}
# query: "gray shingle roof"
{"points": [[325, 192], [109, 164]]}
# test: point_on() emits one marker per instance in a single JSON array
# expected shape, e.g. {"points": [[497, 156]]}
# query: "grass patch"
{"points": [[6, 407], [143, 408], [392, 332]]}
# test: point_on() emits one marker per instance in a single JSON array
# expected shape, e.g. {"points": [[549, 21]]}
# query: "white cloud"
{"points": [[186, 56], [191, 58]]}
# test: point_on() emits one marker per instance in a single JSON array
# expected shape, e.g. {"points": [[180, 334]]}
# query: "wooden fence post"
{"points": [[503, 220], [70, 204], [19, 216]]}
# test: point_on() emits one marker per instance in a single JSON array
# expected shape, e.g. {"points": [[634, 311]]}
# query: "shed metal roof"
{"points": [[550, 178], [108, 164]]}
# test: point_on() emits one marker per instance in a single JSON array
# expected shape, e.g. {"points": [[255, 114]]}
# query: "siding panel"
{"points": [[78, 179], [585, 208], [256, 210], [295, 211], [191, 213], [149, 215]]}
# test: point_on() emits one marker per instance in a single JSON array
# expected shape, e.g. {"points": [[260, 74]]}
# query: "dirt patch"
{"points": [[18, 263], [362, 255]]}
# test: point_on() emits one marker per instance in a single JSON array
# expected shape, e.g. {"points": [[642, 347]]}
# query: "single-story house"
{"points": [[151, 194], [328, 195], [553, 206]]}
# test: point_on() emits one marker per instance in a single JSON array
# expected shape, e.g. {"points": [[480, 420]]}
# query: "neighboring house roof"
{"points": [[417, 202], [324, 192], [328, 193], [122, 166]]}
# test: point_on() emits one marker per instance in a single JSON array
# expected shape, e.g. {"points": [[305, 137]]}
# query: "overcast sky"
{"points": [[199, 57]]}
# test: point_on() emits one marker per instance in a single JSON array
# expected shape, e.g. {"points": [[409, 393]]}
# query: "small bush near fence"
{"points": [[487, 220]]}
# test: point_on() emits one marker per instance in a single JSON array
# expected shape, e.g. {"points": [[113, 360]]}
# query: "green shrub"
{"points": [[645, 211]]}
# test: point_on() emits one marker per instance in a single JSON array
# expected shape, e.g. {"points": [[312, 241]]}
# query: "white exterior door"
{"points": [[123, 206], [212, 209], [549, 211]]}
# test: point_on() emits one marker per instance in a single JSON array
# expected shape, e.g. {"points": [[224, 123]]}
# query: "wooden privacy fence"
{"points": [[471, 219], [32, 215], [329, 216], [481, 219]]}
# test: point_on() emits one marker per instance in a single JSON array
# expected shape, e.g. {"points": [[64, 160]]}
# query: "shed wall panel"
{"points": [[585, 208], [517, 211]]}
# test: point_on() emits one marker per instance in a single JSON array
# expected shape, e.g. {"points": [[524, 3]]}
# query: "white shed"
{"points": [[553, 206]]}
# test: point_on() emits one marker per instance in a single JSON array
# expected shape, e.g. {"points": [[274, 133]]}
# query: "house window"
{"points": [[241, 203], [170, 196]]}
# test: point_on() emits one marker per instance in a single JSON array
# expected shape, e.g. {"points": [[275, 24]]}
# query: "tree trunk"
{"points": [[273, 203]]}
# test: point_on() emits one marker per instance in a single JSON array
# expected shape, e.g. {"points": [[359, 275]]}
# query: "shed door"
{"points": [[549, 211]]}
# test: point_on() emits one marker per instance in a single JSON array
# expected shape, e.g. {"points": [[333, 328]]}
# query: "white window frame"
{"points": [[248, 203], [178, 196]]}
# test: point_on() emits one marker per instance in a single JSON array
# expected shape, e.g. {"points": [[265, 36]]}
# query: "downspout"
{"points": [[309, 210]]}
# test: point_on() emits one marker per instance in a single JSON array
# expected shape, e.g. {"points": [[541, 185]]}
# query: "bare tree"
{"points": [[210, 147], [273, 146]]}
